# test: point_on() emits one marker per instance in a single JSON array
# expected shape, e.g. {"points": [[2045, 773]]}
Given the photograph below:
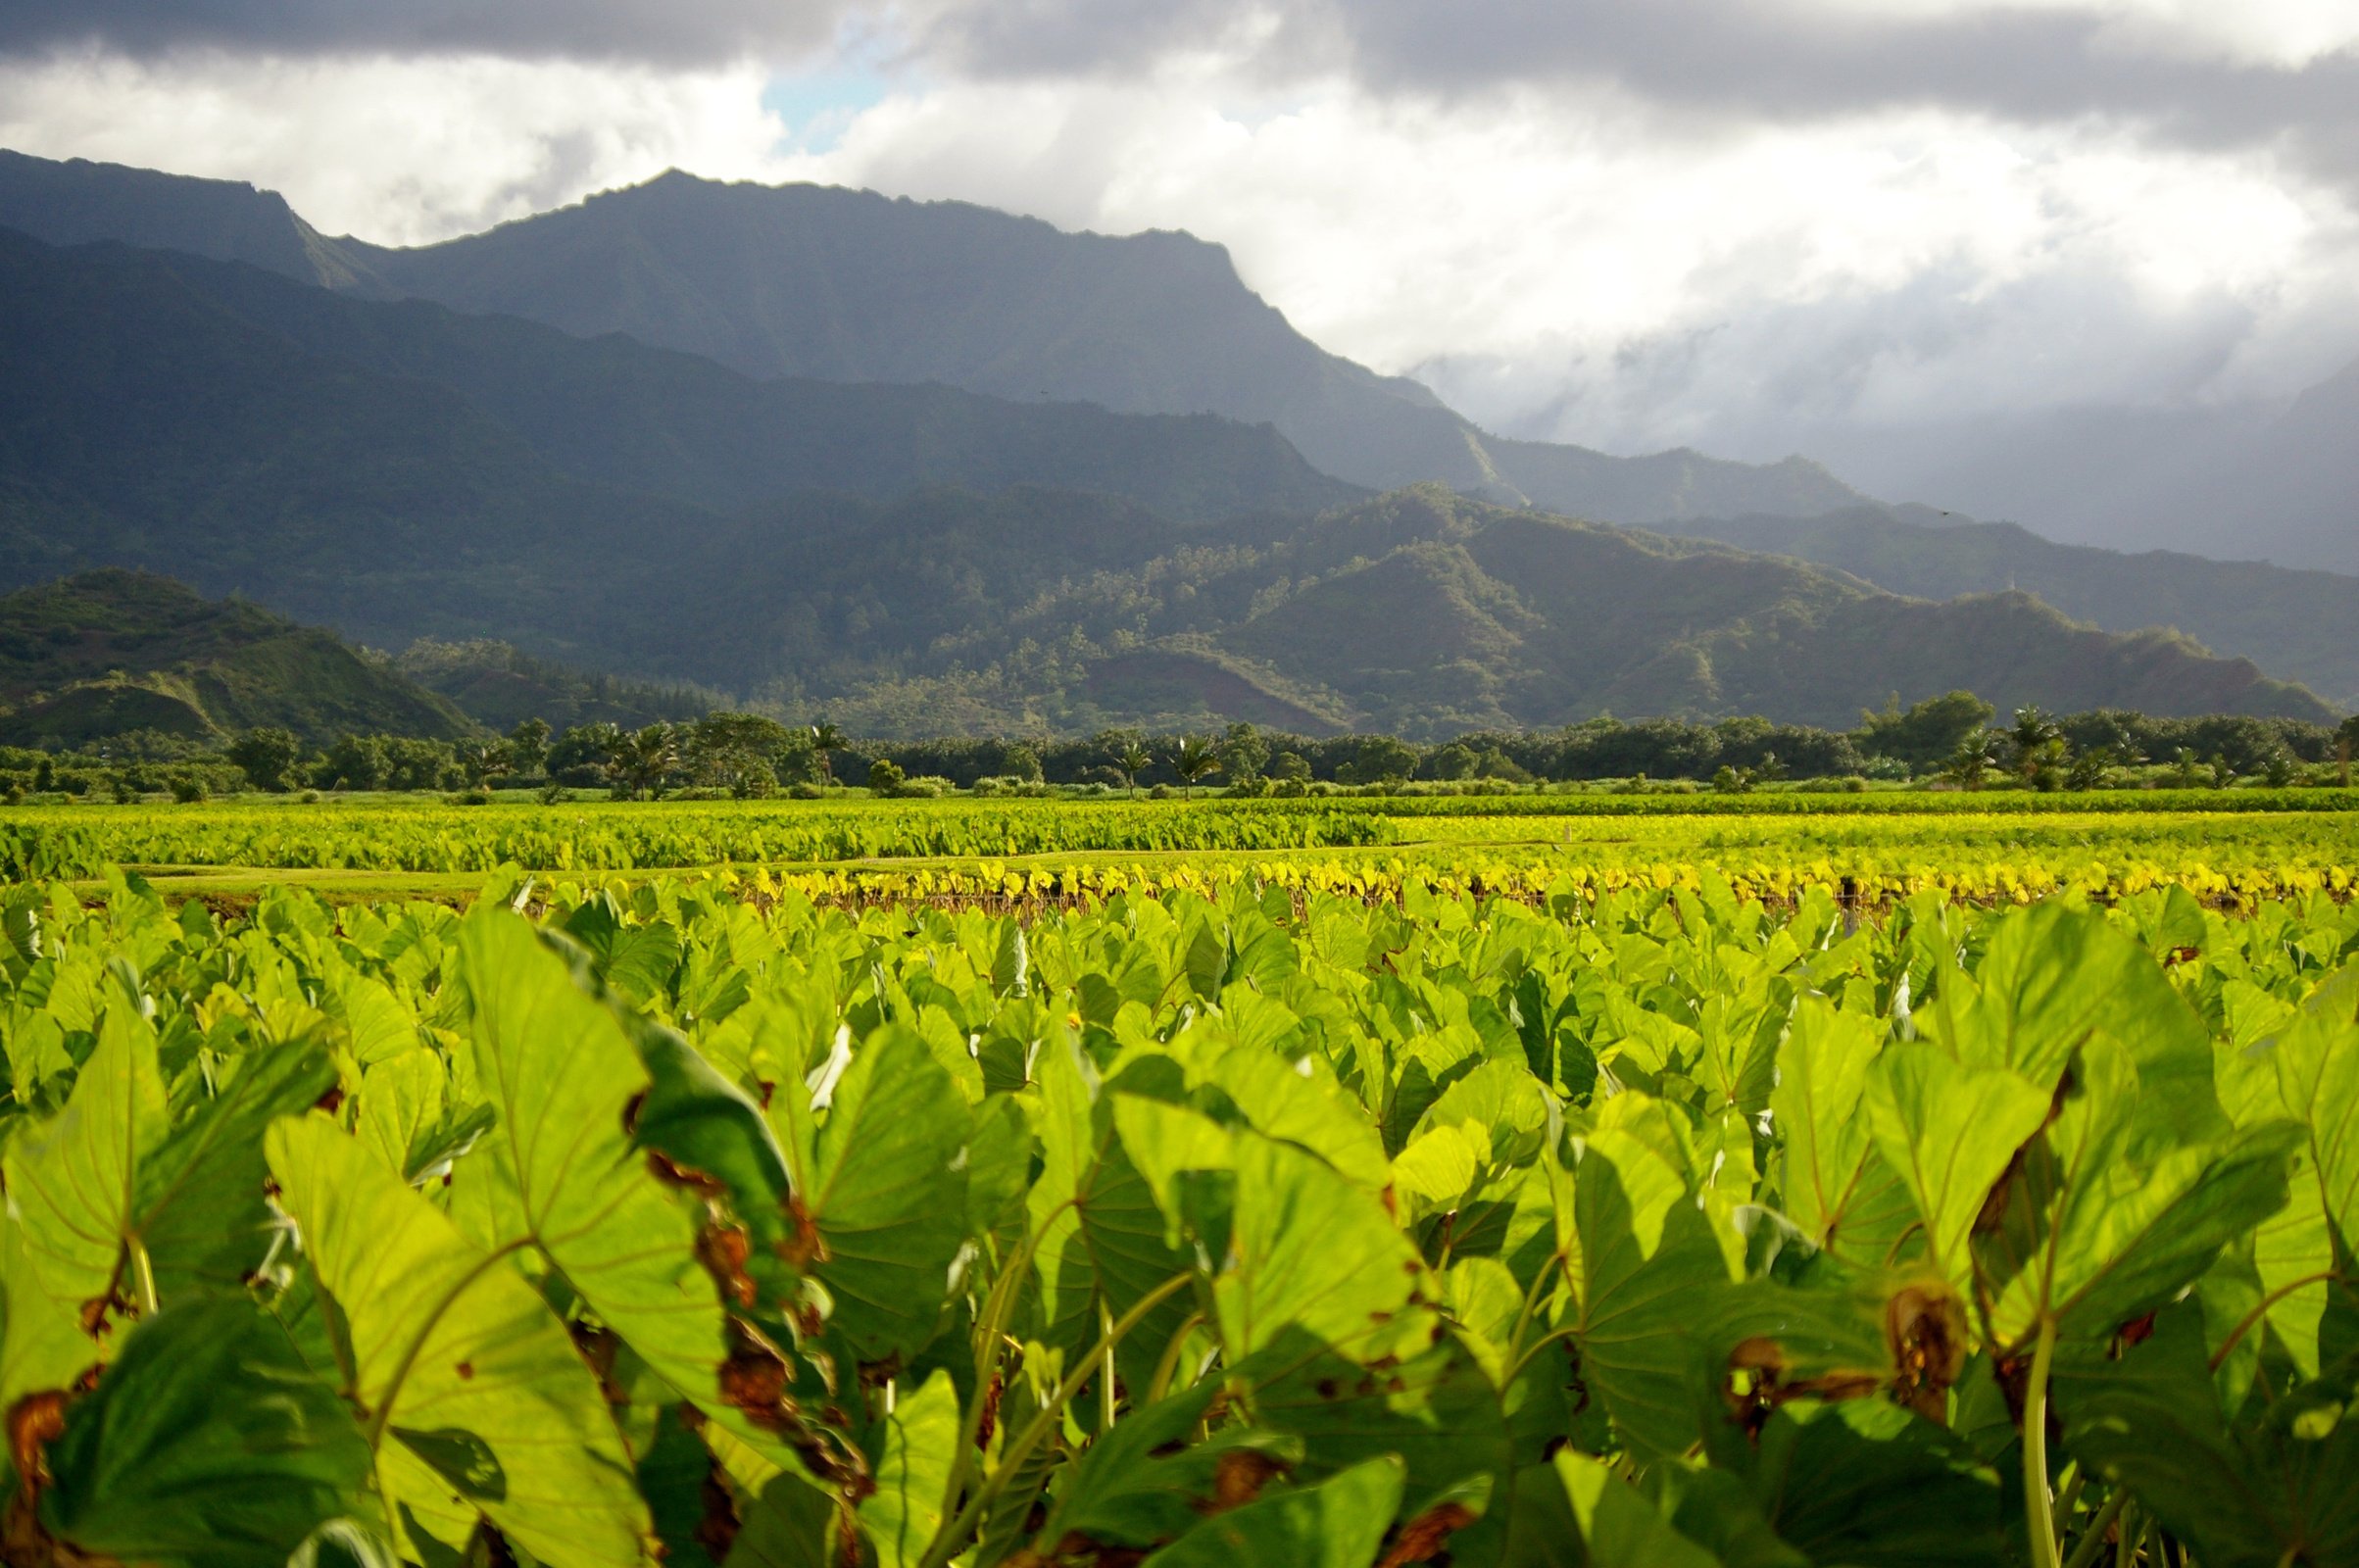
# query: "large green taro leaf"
{"points": [[1146, 1482], [73, 1182], [1308, 1250], [471, 1391], [1949, 1132], [1642, 1264], [2126, 1234], [1867, 1483], [564, 1174], [207, 1444], [1340, 1523], [1831, 1180], [1101, 1244], [2280, 1486], [902, 1516], [888, 1194], [2052, 977], [1620, 1528], [113, 1200]]}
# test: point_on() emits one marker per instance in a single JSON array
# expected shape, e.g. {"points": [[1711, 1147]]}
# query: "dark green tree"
{"points": [[265, 755], [1244, 754], [1929, 733], [529, 746], [356, 762]]}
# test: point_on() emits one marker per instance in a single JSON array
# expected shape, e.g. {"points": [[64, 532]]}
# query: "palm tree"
{"points": [[1131, 758], [645, 760], [1970, 763], [827, 740], [1192, 760], [2039, 742]]}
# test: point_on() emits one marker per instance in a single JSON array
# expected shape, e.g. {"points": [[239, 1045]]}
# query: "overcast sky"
{"points": [[1627, 223]]}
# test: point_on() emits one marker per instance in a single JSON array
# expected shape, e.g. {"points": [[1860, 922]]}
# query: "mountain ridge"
{"points": [[679, 261], [2287, 619]]}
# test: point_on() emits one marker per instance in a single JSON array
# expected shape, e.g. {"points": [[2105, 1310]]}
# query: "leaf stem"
{"points": [[143, 1277], [1166, 1367], [997, 1305], [2101, 1521], [954, 1532], [2034, 1450]]}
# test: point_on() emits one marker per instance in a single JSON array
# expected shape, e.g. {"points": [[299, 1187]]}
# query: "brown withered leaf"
{"points": [[804, 1246], [722, 1249], [1423, 1537], [1238, 1478], [1925, 1329], [34, 1423]]}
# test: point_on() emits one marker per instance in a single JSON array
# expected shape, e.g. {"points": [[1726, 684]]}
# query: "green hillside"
{"points": [[110, 652], [1419, 614], [2294, 624]]}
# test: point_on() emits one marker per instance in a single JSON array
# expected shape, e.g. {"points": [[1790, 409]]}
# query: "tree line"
{"points": [[1957, 738]]}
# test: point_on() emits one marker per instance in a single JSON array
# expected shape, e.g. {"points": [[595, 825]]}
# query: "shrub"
{"points": [[885, 775], [806, 790], [189, 790], [478, 796]]}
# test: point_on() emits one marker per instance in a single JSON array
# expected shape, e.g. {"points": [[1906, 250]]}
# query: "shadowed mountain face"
{"points": [[840, 285], [1419, 613], [2293, 624]]}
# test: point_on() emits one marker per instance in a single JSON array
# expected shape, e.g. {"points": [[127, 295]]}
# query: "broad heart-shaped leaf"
{"points": [[42, 1344], [1949, 1132], [200, 1210], [1101, 1246], [2317, 1061], [1439, 1410], [912, 1473], [1308, 1250], [789, 1524], [207, 1442], [1866, 1481], [2278, 1491], [888, 1194], [73, 1182], [1822, 1072], [564, 1175], [2053, 976], [1643, 1267], [2127, 1233], [471, 1393], [1620, 1528], [1340, 1523]]}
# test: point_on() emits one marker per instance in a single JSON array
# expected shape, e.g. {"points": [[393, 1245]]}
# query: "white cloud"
{"points": [[397, 150], [1585, 267]]}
